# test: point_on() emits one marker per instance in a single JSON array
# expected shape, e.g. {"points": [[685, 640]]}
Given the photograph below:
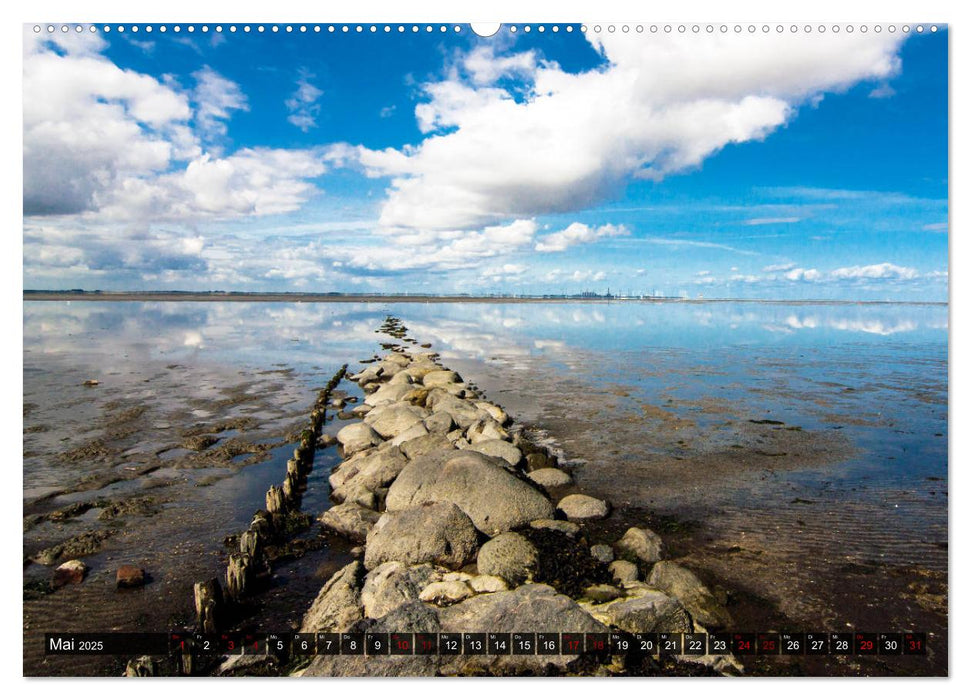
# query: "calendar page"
{"points": [[599, 349]]}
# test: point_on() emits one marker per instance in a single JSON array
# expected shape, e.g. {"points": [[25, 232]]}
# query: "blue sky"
{"points": [[765, 166]]}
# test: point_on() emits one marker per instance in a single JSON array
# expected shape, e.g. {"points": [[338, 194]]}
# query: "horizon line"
{"points": [[186, 295]]}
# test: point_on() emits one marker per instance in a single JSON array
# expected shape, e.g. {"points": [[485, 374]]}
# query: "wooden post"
{"points": [[274, 500], [238, 575], [209, 602], [141, 667]]}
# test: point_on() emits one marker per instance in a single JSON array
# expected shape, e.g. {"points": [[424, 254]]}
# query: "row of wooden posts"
{"points": [[250, 563]]}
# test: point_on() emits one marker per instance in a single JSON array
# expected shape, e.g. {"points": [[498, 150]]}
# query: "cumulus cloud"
{"points": [[882, 271], [561, 141], [578, 233], [120, 144], [302, 104], [781, 267], [799, 274]]}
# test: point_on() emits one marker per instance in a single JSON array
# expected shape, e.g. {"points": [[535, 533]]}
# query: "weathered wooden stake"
{"points": [[274, 500], [209, 602], [238, 575]]}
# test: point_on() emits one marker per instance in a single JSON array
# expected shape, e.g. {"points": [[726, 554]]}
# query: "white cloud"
{"points": [[88, 124], [100, 140], [485, 67], [781, 267], [215, 98], [571, 140], [772, 220], [799, 274], [302, 104], [577, 233], [883, 271]]}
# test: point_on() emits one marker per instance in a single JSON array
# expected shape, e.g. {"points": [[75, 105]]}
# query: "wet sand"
{"points": [[721, 487], [154, 466], [725, 491]]}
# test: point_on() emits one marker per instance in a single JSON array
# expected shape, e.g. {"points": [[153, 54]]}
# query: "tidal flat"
{"points": [[794, 457]]}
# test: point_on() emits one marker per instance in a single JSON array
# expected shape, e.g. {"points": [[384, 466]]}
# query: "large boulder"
{"points": [[439, 533], [463, 413], [388, 393], [356, 437], [578, 506], [426, 444], [532, 607], [510, 556], [640, 545], [677, 581], [481, 486], [415, 431], [390, 420], [350, 520], [393, 584], [439, 377], [372, 468], [381, 370], [498, 415], [486, 429], [443, 593], [498, 448], [648, 611], [550, 478], [623, 572], [440, 422], [411, 617], [338, 604]]}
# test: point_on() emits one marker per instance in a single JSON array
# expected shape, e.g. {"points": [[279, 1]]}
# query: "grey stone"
{"points": [[415, 431], [483, 583], [640, 545], [411, 617], [463, 413], [443, 593], [440, 422], [623, 571], [338, 604], [510, 556], [426, 444], [652, 611], [486, 429], [388, 393], [677, 581], [438, 533], [350, 520], [438, 377], [550, 478], [498, 448], [371, 470], [356, 437], [497, 414], [578, 506], [392, 419], [481, 486], [392, 584], [529, 607], [539, 460], [602, 552]]}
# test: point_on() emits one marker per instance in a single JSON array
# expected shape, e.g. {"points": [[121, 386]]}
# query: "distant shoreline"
{"points": [[291, 297]]}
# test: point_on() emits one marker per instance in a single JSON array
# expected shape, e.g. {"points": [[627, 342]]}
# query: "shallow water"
{"points": [[801, 431]]}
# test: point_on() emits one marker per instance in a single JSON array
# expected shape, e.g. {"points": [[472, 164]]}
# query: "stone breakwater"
{"points": [[463, 524]]}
